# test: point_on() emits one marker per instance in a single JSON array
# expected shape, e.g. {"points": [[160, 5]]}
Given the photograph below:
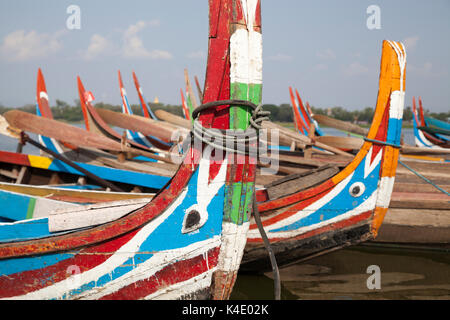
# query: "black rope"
{"points": [[273, 260], [385, 143]]}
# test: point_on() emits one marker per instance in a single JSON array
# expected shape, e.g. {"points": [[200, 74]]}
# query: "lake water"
{"points": [[404, 273]]}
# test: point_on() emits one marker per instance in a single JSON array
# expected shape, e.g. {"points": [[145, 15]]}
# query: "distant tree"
{"points": [[407, 114]]}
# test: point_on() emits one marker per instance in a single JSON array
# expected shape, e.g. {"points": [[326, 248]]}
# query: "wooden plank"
{"points": [[340, 125], [300, 181], [171, 118], [23, 175], [135, 123]]}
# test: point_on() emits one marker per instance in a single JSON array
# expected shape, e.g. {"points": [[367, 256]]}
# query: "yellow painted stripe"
{"points": [[39, 162], [427, 158]]}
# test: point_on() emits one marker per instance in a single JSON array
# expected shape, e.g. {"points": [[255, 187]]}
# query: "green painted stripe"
{"points": [[190, 106], [30, 210]]}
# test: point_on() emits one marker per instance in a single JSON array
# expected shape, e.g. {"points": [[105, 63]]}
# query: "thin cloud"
{"points": [[134, 46], [410, 42], [196, 55], [280, 57], [98, 45], [326, 54], [321, 67], [426, 70], [356, 69], [20, 45]]}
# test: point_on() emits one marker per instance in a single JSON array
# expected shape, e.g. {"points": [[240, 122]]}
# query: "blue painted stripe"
{"points": [[437, 123], [15, 206], [342, 202], [25, 230], [112, 174], [12, 266], [394, 131], [279, 147], [80, 187]]}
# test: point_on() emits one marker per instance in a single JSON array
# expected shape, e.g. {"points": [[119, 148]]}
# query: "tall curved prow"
{"points": [[148, 113], [348, 207]]}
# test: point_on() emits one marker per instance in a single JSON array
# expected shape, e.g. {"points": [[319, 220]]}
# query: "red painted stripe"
{"points": [[14, 158], [27, 281], [177, 272], [44, 108], [296, 197], [292, 210], [141, 98]]}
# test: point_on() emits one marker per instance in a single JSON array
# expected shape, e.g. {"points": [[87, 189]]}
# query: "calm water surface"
{"points": [[406, 274]]}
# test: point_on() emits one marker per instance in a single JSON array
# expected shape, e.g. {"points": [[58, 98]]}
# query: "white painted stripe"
{"points": [[385, 191], [148, 268], [401, 56], [425, 140], [309, 209], [43, 94], [233, 240], [368, 166], [87, 216], [397, 104], [367, 205]]}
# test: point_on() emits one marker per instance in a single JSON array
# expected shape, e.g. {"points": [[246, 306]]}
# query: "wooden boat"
{"points": [[71, 193], [148, 140], [188, 241], [424, 139], [333, 208], [426, 136], [40, 170], [148, 113], [73, 150], [95, 123], [186, 112]]}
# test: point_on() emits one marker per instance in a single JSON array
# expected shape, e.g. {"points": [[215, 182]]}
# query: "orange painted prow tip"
{"points": [[302, 109], [378, 218], [40, 82], [120, 79], [422, 116], [81, 94], [80, 85]]}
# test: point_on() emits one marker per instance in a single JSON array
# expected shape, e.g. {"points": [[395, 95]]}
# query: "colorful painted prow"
{"points": [[305, 217]]}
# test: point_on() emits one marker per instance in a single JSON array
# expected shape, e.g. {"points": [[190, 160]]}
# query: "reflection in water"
{"points": [[405, 274]]}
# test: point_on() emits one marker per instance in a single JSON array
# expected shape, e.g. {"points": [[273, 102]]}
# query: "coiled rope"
{"points": [[239, 137]]}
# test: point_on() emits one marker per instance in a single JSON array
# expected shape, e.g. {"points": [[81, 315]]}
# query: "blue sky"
{"points": [[323, 48]]}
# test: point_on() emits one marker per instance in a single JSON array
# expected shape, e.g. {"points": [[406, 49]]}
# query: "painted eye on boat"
{"points": [[193, 220], [357, 189]]}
